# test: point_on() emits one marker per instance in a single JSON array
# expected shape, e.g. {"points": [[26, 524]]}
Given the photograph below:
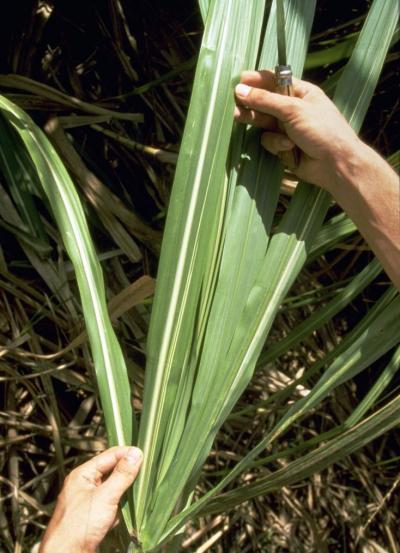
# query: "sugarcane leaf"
{"points": [[336, 53], [287, 250], [249, 207], [361, 348], [18, 171], [337, 229], [324, 314], [381, 335], [203, 6], [30, 85], [196, 210], [341, 347], [373, 393], [345, 444], [112, 378]]}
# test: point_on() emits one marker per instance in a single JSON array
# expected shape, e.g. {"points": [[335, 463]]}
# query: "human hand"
{"points": [[87, 507], [311, 121]]}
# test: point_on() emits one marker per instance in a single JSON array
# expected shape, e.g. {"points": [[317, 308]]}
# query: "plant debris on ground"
{"points": [[110, 85]]}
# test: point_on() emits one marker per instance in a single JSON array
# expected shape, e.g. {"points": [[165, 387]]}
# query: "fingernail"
{"points": [[133, 455], [242, 89], [285, 143]]}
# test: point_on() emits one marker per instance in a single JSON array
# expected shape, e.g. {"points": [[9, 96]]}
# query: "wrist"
{"points": [[349, 161], [67, 544]]}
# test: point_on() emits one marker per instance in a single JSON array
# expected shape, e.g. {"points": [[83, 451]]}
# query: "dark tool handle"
{"points": [[284, 85]]}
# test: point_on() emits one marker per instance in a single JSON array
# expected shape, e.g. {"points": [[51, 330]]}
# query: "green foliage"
{"points": [[213, 310], [111, 374], [227, 264]]}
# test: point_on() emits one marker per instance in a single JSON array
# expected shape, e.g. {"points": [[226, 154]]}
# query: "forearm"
{"points": [[368, 189]]}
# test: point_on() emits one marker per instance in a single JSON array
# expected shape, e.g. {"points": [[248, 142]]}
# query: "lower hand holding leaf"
{"points": [[87, 507]]}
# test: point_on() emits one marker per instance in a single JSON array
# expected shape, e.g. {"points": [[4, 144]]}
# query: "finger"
{"points": [[255, 118], [265, 79], [106, 461], [96, 468], [276, 142], [259, 79], [266, 102], [123, 476]]}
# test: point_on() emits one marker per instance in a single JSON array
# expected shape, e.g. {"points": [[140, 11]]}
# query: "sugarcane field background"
{"points": [[109, 82]]}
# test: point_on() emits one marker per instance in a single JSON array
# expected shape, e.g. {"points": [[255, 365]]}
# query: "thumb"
{"points": [[123, 475], [276, 142]]}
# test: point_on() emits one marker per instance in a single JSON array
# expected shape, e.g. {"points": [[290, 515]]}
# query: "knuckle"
{"points": [[317, 89], [267, 144], [243, 115], [124, 468], [71, 477], [114, 449], [70, 480], [287, 113], [292, 109], [307, 85], [256, 96]]}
